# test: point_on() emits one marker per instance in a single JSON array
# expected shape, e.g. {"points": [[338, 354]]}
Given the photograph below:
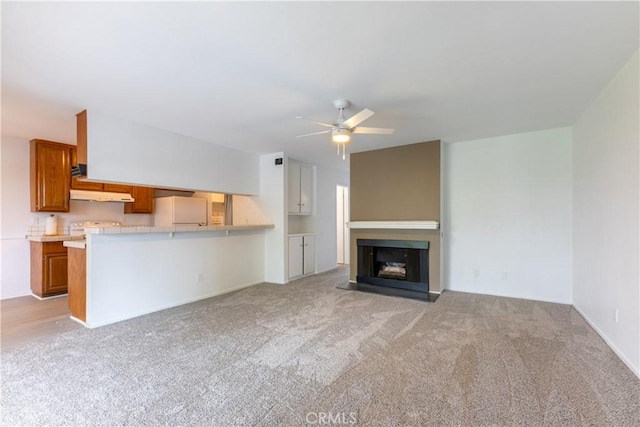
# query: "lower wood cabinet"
{"points": [[78, 283], [48, 268], [302, 255]]}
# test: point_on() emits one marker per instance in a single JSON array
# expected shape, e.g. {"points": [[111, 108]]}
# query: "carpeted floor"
{"points": [[308, 353]]}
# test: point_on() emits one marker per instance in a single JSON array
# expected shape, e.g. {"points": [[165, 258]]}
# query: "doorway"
{"points": [[342, 217]]}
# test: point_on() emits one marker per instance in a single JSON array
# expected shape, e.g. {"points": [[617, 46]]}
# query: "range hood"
{"points": [[100, 196]]}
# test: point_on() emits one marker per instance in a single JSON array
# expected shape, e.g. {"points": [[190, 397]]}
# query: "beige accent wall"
{"points": [[397, 184]]}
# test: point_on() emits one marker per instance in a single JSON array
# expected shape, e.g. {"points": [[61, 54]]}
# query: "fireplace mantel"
{"points": [[394, 225]]}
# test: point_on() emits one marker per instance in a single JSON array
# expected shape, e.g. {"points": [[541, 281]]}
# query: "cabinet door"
{"points": [[50, 176], [55, 274], [77, 277], [143, 197], [306, 189], [295, 256], [293, 203], [309, 255]]}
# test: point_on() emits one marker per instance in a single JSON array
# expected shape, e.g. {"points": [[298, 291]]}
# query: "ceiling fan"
{"points": [[342, 128]]}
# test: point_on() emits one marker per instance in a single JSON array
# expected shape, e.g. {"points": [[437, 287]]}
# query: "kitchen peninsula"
{"points": [[132, 271]]}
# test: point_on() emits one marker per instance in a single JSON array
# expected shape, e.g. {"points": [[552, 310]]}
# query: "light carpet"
{"points": [[307, 353]]}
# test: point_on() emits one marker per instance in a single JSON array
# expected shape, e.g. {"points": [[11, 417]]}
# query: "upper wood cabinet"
{"points": [[50, 171], [143, 197]]}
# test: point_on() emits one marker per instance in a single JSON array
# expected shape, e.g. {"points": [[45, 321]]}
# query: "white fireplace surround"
{"points": [[394, 225]]}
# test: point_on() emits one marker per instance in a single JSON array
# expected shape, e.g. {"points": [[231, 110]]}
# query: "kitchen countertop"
{"points": [[176, 229], [77, 244], [57, 238]]}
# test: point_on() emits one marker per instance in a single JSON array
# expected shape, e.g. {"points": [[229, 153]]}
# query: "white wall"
{"points": [[129, 275], [272, 204], [123, 151], [507, 216], [606, 214], [14, 205]]}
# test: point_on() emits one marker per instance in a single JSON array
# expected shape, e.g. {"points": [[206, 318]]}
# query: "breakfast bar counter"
{"points": [[132, 271]]}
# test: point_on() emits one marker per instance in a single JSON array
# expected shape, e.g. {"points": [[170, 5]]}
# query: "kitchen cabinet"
{"points": [[300, 186], [50, 169], [77, 274], [302, 255], [48, 268], [143, 203]]}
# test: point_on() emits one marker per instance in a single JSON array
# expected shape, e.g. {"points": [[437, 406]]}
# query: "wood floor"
{"points": [[25, 319]]}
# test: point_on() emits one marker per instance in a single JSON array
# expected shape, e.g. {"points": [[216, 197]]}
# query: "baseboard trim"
{"points": [[75, 319], [611, 345], [46, 298], [167, 306], [525, 297]]}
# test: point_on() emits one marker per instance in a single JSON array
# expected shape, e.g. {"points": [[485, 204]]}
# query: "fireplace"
{"points": [[385, 265]]}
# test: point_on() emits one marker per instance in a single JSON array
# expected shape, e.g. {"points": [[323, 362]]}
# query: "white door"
{"points": [[309, 254], [342, 231], [306, 189], [339, 225], [295, 256], [345, 229]]}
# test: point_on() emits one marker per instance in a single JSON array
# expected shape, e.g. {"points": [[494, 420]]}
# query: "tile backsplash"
{"points": [[38, 230]]}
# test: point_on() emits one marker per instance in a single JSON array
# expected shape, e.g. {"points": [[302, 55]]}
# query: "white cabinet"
{"points": [[300, 188], [302, 255]]}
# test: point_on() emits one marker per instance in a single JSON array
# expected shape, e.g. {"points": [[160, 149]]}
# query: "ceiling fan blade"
{"points": [[315, 133], [354, 121], [378, 131], [315, 121]]}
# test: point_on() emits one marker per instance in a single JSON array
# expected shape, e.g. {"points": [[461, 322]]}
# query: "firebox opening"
{"points": [[401, 264], [393, 270]]}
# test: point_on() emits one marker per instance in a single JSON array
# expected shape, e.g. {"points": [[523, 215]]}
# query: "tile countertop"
{"points": [[78, 244], [57, 238], [177, 229]]}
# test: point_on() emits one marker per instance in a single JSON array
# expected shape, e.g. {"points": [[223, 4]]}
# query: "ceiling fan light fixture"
{"points": [[341, 136]]}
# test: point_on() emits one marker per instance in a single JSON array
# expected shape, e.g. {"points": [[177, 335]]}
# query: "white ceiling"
{"points": [[237, 74]]}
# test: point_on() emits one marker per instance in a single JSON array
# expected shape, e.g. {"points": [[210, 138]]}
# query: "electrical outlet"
{"points": [[476, 273], [199, 277]]}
